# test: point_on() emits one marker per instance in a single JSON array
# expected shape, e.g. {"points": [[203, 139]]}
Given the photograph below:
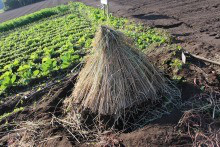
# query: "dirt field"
{"points": [[195, 24]]}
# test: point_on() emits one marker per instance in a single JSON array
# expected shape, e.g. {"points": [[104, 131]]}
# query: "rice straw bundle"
{"points": [[117, 76]]}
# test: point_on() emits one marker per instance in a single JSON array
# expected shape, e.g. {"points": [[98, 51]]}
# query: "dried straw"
{"points": [[117, 77]]}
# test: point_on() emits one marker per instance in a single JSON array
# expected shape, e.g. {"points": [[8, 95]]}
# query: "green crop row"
{"points": [[40, 48], [18, 22]]}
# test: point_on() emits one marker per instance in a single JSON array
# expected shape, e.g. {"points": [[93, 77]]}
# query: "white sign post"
{"points": [[104, 2], [183, 58], [106, 6]]}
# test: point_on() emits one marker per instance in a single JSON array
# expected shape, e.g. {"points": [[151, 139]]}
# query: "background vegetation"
{"points": [[1, 5], [12, 4]]}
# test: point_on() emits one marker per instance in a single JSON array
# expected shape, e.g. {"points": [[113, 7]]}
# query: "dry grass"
{"points": [[201, 122], [200, 128], [29, 134], [26, 134], [117, 77]]}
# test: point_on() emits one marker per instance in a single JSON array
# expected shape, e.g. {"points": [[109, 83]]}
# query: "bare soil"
{"points": [[194, 24]]}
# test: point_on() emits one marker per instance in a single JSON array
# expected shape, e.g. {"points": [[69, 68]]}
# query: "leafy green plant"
{"points": [[68, 59], [9, 67], [25, 72], [49, 52], [7, 80], [81, 41], [176, 65], [36, 73], [48, 65], [34, 56]]}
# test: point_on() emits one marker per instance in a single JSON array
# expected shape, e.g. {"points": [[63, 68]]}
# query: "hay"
{"points": [[26, 134], [117, 77]]}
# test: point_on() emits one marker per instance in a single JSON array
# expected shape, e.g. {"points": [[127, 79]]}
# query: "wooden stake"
{"points": [[202, 58], [108, 10], [104, 9]]}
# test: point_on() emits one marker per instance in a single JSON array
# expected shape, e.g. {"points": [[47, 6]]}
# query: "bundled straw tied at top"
{"points": [[117, 77]]}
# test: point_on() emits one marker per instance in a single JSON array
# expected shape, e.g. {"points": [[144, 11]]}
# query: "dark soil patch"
{"points": [[39, 110], [151, 135]]}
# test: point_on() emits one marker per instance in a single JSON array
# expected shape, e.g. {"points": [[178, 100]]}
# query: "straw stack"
{"points": [[117, 77]]}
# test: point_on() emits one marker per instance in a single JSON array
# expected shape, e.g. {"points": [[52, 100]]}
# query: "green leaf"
{"points": [[65, 65], [36, 72], [24, 67], [6, 81], [202, 88], [3, 87], [44, 67], [54, 63], [45, 59], [8, 67], [13, 79], [64, 58], [75, 57], [16, 62]]}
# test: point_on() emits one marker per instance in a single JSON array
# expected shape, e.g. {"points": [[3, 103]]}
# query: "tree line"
{"points": [[1, 4]]}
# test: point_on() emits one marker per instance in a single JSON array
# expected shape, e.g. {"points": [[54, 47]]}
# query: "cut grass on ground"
{"points": [[16, 110]]}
